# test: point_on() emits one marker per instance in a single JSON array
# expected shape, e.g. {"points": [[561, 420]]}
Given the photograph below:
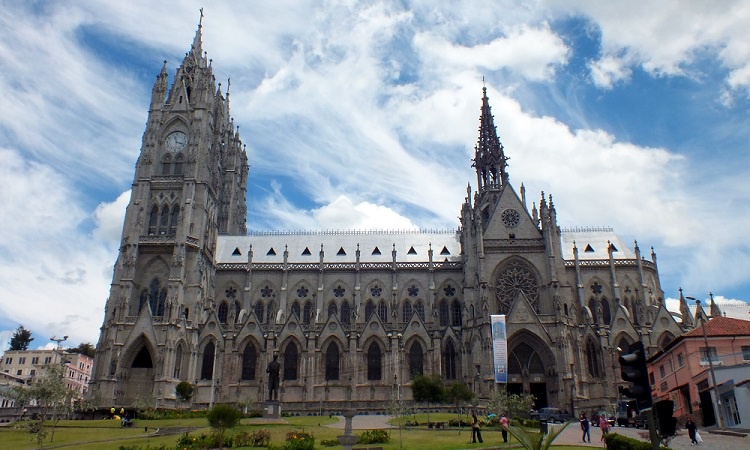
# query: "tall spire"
{"points": [[197, 41], [715, 310], [489, 159], [687, 318]]}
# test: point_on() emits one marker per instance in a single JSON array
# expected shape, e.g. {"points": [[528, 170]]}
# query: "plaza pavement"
{"points": [[572, 435]]}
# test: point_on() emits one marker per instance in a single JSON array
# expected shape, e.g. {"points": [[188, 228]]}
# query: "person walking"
{"points": [[476, 433], [604, 426], [504, 422], [585, 428], [692, 430]]}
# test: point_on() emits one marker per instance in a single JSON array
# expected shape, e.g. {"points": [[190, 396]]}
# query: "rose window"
{"points": [[513, 280]]}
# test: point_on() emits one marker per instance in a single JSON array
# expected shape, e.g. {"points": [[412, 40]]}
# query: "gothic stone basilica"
{"points": [[353, 316]]}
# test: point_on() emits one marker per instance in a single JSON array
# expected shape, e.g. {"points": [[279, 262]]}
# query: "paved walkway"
{"points": [[572, 435]]}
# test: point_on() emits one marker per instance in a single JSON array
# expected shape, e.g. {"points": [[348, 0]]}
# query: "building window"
{"points": [[290, 362], [35, 360], [680, 360], [416, 360], [32, 372], [177, 363], [662, 372], [443, 313], [450, 361], [332, 362], [383, 311], [22, 360], [223, 312], [746, 353], [332, 310], [249, 359], [307, 313], [346, 313], [651, 379], [369, 309], [270, 311], [153, 220], [259, 311], [8, 360], [705, 353], [374, 362], [295, 310], [592, 358], [664, 386], [406, 311], [207, 368], [420, 310], [456, 315]]}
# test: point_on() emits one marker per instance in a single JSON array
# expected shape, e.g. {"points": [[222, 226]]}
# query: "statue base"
{"points": [[272, 409]]}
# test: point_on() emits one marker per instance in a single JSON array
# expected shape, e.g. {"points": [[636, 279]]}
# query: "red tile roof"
{"points": [[722, 326]]}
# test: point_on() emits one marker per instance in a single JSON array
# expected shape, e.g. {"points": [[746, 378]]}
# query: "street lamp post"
{"points": [[715, 400]]}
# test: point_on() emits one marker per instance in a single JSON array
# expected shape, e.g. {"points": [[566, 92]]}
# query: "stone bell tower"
{"points": [[189, 187]]}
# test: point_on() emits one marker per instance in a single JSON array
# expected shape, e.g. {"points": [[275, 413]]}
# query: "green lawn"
{"points": [[107, 434]]}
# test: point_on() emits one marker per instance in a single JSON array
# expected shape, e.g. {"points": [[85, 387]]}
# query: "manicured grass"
{"points": [[107, 434]]}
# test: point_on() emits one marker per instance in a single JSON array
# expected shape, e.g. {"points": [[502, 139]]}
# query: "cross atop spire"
{"points": [[489, 159], [197, 44]]}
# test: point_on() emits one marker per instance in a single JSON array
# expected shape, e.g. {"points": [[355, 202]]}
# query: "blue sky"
{"points": [[364, 115]]}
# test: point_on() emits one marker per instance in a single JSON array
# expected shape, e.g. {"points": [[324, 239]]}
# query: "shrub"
{"points": [[299, 440], [459, 423], [260, 438], [329, 442], [616, 441], [374, 437]]}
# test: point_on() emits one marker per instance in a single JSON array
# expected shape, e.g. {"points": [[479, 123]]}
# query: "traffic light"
{"points": [[634, 370], [666, 423]]}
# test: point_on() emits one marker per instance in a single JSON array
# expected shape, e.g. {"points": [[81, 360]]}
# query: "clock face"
{"points": [[511, 218], [176, 141]]}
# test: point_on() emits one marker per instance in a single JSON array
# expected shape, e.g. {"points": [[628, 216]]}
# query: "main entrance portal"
{"points": [[526, 374]]}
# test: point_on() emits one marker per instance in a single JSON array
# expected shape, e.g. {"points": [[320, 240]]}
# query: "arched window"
{"points": [[207, 368], [416, 360], [290, 362], [237, 309], [223, 312], [592, 358], [592, 308], [270, 311], [369, 309], [456, 315], [346, 312], [249, 359], [332, 310], [420, 310], [406, 311], [156, 298], [295, 310], [332, 362], [164, 220], [177, 363], [178, 161], [259, 311], [383, 311], [443, 313], [307, 313], [166, 165], [173, 220], [142, 301], [153, 220], [450, 361], [606, 315], [374, 362]]}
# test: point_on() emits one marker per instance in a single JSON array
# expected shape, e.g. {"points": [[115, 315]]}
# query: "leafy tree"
{"points": [[510, 405], [21, 339], [84, 348], [184, 391], [458, 394], [221, 418], [429, 389], [53, 396]]}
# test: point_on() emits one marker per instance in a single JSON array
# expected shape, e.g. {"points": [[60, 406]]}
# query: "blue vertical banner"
{"points": [[499, 348]]}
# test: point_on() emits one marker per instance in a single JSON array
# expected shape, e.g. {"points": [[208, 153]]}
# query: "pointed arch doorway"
{"points": [[527, 371], [139, 377]]}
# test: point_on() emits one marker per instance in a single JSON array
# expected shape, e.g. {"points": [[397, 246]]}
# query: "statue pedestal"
{"points": [[348, 439], [272, 409]]}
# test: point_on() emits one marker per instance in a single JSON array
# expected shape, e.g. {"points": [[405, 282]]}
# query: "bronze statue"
{"points": [[273, 378]]}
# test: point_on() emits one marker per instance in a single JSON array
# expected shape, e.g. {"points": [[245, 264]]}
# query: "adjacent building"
{"points": [[23, 366], [681, 372], [354, 315]]}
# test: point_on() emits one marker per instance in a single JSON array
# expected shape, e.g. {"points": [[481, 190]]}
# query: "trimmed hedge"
{"points": [[616, 441]]}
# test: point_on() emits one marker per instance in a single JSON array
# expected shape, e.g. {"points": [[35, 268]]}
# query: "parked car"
{"points": [[641, 420], [600, 413], [550, 415]]}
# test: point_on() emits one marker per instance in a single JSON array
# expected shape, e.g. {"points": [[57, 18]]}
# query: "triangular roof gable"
{"points": [[496, 228], [249, 327], [373, 327], [522, 316], [621, 323], [332, 327], [665, 321], [292, 327]]}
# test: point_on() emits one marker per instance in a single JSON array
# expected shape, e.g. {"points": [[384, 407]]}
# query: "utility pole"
{"points": [[716, 402]]}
